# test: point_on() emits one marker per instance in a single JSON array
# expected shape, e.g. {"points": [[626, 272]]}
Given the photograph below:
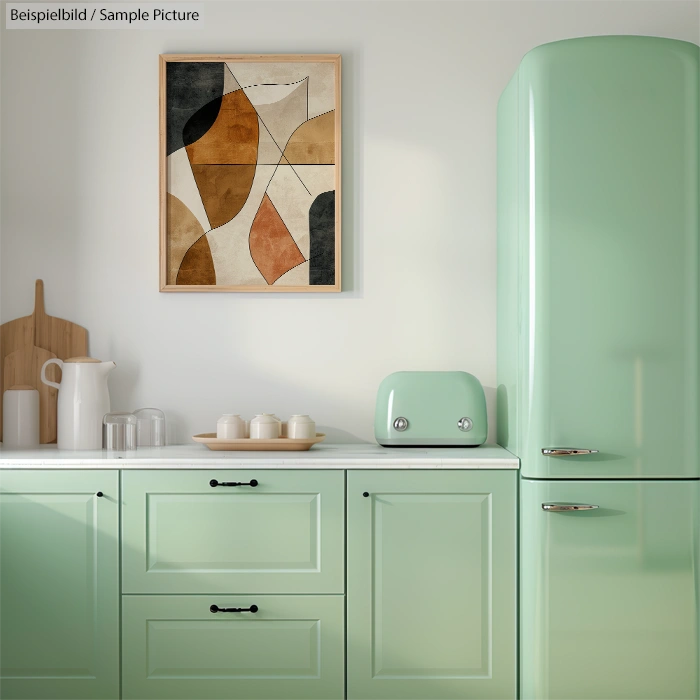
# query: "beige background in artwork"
{"points": [[421, 81]]}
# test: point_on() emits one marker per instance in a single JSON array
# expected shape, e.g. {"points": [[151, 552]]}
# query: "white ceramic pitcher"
{"points": [[83, 400]]}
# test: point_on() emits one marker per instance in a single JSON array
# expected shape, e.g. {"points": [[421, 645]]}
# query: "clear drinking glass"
{"points": [[150, 429], [119, 431]]}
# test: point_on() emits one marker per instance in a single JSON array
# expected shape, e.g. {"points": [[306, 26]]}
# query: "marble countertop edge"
{"points": [[329, 456]]}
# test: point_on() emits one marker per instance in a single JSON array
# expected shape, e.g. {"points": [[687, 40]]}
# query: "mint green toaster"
{"points": [[430, 409]]}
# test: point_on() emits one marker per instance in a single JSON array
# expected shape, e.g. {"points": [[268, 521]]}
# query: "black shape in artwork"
{"points": [[201, 121], [322, 239], [188, 88]]}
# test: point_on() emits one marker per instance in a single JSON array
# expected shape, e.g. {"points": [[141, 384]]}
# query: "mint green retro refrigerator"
{"points": [[598, 354]]}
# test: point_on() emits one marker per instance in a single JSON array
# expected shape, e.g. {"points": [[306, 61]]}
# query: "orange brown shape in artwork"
{"points": [[271, 245], [183, 231], [232, 138], [313, 143], [223, 159], [197, 267], [224, 190]]}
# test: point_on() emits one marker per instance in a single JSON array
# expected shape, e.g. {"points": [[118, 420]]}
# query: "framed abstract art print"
{"points": [[250, 173]]}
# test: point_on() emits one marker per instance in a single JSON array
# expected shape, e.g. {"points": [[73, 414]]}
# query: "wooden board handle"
{"points": [[63, 338], [39, 308]]}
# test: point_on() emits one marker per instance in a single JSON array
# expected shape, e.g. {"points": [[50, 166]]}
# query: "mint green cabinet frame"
{"points": [[431, 584], [59, 584]]}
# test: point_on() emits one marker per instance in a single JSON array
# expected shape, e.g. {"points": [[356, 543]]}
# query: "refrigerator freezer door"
{"points": [[609, 596], [608, 260]]}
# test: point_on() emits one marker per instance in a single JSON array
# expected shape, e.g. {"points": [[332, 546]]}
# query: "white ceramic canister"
{"points": [[265, 427], [230, 427], [301, 427], [20, 417], [280, 430]]}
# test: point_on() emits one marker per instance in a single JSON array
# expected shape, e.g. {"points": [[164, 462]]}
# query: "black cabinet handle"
{"points": [[365, 494], [99, 494], [216, 609], [214, 483]]}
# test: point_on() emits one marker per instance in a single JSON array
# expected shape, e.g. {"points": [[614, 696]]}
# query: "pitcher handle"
{"points": [[54, 361]]}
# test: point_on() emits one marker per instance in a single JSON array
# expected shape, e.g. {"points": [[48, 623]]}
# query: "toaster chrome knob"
{"points": [[465, 424], [401, 424]]}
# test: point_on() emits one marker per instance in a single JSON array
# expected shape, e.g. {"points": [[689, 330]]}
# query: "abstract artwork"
{"points": [[250, 173]]}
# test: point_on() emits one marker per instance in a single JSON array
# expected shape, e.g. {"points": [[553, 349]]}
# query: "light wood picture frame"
{"points": [[250, 191]]}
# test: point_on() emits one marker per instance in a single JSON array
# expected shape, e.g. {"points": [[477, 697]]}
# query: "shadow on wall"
{"points": [[352, 130], [502, 433], [491, 419]]}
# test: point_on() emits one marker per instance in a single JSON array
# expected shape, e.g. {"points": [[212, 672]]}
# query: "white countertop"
{"points": [[322, 456]]}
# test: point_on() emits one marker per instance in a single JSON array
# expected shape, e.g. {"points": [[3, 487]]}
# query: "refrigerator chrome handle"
{"points": [[563, 507], [560, 451]]}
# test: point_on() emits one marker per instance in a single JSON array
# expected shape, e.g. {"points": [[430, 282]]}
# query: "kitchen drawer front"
{"points": [[175, 647], [181, 535]]}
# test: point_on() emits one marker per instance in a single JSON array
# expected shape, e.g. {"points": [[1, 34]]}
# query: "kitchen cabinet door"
{"points": [[283, 535], [609, 596], [59, 584], [431, 583], [290, 648]]}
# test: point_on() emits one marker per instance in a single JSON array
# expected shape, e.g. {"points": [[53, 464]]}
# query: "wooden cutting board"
{"points": [[61, 338], [24, 367]]}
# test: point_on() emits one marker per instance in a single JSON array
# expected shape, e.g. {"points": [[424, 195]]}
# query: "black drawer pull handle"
{"points": [[216, 609], [99, 494], [365, 494], [214, 483]]}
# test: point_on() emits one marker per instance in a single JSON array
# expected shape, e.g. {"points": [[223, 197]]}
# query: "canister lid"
{"points": [[81, 359]]}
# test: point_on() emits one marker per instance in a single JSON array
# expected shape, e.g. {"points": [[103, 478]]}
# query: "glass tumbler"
{"points": [[119, 431], [150, 428]]}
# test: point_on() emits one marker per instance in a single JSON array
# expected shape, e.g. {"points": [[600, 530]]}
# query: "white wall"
{"points": [[420, 85]]}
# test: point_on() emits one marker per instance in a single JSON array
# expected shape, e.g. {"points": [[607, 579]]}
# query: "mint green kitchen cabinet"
{"points": [[431, 584], [291, 648], [238, 592], [285, 534], [59, 584], [609, 596]]}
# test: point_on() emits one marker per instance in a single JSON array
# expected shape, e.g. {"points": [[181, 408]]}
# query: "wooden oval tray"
{"points": [[282, 444]]}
